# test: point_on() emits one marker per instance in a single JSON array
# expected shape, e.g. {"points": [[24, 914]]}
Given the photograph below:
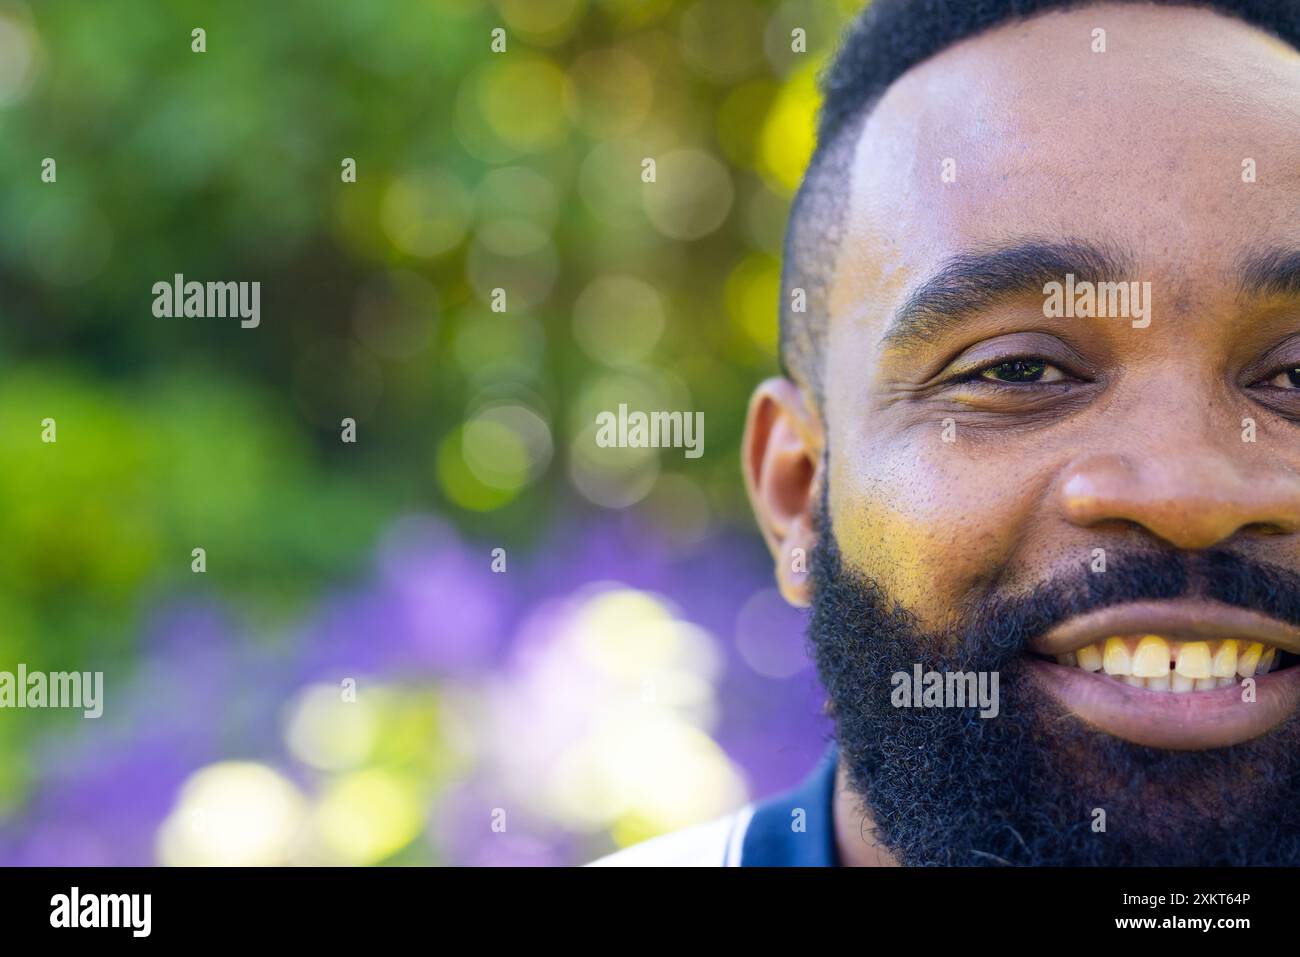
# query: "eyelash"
{"points": [[978, 375], [1285, 370]]}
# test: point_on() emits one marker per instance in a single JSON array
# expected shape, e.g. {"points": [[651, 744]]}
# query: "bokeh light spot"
{"points": [[233, 814], [525, 103], [329, 733], [789, 133], [753, 294], [459, 482], [613, 91], [426, 214], [19, 57], [691, 196], [618, 319], [367, 816], [769, 635]]}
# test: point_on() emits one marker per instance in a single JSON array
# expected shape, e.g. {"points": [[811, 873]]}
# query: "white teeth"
{"points": [[1181, 667], [1089, 658]]}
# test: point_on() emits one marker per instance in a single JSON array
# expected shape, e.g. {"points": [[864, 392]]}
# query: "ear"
{"points": [[781, 456]]}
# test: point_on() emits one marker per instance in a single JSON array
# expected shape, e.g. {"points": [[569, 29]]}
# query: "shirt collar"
{"points": [[797, 828]]}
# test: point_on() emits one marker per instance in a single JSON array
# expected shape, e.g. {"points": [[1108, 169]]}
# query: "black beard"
{"points": [[945, 786]]}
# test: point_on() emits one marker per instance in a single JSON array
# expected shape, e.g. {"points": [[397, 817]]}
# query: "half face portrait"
{"points": [[540, 434], [1033, 458]]}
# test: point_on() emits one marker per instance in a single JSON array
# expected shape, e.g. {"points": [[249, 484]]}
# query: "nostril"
{"points": [[1120, 526], [1264, 528]]}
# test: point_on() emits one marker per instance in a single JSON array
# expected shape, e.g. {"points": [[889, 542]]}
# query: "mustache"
{"points": [[1005, 625], [997, 628]]}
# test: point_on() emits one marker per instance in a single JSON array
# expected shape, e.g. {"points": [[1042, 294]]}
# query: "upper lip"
{"points": [[1180, 619]]}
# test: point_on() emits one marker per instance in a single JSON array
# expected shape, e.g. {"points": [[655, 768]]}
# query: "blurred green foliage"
{"points": [[476, 171]]}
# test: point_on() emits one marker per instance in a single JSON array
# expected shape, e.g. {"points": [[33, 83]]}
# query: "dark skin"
{"points": [[1110, 435]]}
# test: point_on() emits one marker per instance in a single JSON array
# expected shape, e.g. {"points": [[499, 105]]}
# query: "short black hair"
{"points": [[884, 41]]}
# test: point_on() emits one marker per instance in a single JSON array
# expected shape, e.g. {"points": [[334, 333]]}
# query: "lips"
{"points": [[1183, 675]]}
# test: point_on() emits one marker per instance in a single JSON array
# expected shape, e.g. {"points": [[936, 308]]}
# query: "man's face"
{"points": [[975, 453]]}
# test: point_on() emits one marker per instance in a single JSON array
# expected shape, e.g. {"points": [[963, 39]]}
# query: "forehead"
{"points": [[1141, 146]]}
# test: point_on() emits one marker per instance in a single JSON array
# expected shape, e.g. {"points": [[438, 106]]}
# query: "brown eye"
{"points": [[1287, 379], [1022, 371]]}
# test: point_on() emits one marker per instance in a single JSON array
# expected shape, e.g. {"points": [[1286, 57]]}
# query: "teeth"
{"points": [[1158, 664], [1089, 658], [1117, 660], [1161, 683], [1249, 658], [1194, 660], [1225, 660], [1151, 660]]}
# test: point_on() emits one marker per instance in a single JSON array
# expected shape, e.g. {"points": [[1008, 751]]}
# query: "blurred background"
{"points": [[627, 668]]}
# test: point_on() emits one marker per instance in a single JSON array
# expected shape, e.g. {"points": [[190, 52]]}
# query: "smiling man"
{"points": [[1092, 498]]}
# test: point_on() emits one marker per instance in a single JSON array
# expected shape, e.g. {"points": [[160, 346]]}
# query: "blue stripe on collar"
{"points": [[797, 828]]}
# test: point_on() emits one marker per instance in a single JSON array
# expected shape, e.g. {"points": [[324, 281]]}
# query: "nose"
{"points": [[1188, 492]]}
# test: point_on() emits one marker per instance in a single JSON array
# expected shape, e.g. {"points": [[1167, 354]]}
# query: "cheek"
{"points": [[932, 522]]}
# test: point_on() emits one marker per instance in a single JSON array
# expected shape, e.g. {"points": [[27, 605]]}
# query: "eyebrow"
{"points": [[969, 283], [1274, 271]]}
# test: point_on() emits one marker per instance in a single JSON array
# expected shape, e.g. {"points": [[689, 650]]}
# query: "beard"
{"points": [[943, 786]]}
